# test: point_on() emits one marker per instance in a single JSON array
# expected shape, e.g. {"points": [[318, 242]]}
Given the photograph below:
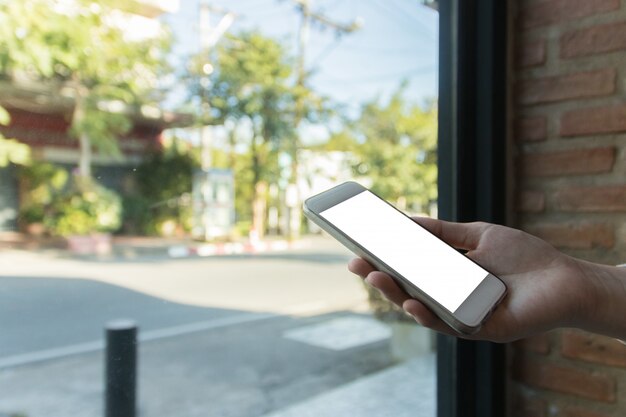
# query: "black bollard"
{"points": [[121, 369]]}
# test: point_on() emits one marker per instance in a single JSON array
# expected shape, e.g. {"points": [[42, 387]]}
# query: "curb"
{"points": [[221, 249], [172, 250]]}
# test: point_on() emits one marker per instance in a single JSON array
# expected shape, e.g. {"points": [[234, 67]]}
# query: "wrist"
{"points": [[604, 308]]}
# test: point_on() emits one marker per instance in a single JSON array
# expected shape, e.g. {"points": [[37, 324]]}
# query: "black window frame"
{"points": [[473, 162]]}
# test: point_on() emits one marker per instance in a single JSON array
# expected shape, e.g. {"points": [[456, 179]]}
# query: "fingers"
{"points": [[360, 267], [379, 280], [387, 286], [460, 235], [420, 313], [423, 316], [389, 289]]}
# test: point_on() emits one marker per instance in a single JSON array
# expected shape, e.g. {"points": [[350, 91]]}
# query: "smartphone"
{"points": [[455, 288]]}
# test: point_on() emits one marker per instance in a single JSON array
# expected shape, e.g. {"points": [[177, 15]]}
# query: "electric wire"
{"points": [[391, 13], [408, 74]]}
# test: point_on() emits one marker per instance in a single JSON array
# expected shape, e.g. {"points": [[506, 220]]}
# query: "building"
{"points": [[40, 117], [537, 87]]}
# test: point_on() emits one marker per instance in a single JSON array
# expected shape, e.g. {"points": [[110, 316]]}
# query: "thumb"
{"points": [[460, 235]]}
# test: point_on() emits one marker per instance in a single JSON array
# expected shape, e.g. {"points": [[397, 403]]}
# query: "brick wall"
{"points": [[569, 108]]}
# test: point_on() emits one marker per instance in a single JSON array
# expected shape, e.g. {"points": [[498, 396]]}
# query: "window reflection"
{"points": [[153, 160]]}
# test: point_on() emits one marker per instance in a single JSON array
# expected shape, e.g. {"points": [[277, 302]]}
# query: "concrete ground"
{"points": [[404, 390], [270, 334], [248, 370], [234, 372]]}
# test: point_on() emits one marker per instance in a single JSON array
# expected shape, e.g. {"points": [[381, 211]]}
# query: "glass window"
{"points": [[154, 156]]}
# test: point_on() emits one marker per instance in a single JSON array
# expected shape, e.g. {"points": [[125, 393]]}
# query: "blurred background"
{"points": [[154, 156]]}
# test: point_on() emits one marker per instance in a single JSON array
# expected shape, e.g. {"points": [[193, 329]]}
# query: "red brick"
{"points": [[538, 344], [529, 406], [552, 11], [579, 412], [573, 162], [598, 199], [575, 236], [531, 129], [592, 385], [532, 201], [531, 53], [593, 348], [594, 40], [567, 87], [594, 121]]}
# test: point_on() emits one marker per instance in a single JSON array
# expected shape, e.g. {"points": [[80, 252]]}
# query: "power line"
{"points": [[263, 8], [265, 13], [249, 3], [383, 6], [405, 9], [325, 52], [308, 17], [379, 50], [433, 35], [333, 5], [412, 73]]}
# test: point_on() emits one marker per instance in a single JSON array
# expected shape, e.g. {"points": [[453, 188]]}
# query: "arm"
{"points": [[607, 307], [546, 288]]}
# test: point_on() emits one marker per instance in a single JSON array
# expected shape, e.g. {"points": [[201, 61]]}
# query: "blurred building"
{"points": [[40, 117], [319, 171]]}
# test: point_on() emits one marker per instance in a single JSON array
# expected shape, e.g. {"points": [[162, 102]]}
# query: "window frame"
{"points": [[473, 164]]}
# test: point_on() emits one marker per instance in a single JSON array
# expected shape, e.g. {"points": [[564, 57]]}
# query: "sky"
{"points": [[397, 40]]}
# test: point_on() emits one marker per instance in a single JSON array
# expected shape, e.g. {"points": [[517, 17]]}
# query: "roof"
{"points": [[57, 98]]}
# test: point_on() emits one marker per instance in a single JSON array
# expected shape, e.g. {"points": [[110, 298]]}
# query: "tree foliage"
{"points": [[249, 84], [246, 84], [11, 151], [163, 195], [63, 205], [80, 49], [395, 145]]}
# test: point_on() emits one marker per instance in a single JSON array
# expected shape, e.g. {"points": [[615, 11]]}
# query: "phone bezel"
{"points": [[466, 319]]}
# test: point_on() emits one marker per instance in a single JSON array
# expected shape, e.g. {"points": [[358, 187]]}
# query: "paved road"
{"points": [[245, 370], [215, 327], [50, 303]]}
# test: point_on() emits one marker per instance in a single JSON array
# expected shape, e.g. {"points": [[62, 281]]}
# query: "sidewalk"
{"points": [[278, 365], [246, 370], [404, 390], [141, 247]]}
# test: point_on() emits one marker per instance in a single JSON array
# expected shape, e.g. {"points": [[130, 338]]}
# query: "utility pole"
{"points": [[433, 4], [209, 36], [293, 198]]}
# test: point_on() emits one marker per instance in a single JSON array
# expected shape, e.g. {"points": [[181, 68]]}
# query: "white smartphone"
{"points": [[455, 288]]}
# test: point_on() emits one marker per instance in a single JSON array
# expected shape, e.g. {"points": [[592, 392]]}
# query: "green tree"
{"points": [[79, 49], [164, 181], [249, 86], [11, 151], [66, 207], [249, 83], [395, 145]]}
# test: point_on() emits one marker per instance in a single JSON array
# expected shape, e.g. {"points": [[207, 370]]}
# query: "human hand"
{"points": [[546, 288]]}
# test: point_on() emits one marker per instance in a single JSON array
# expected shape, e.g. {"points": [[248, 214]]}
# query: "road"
{"points": [[213, 330], [48, 303]]}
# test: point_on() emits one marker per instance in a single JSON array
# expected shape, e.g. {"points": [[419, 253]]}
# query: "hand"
{"points": [[546, 289]]}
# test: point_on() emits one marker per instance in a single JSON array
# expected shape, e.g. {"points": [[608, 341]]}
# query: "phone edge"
{"points": [[408, 287]]}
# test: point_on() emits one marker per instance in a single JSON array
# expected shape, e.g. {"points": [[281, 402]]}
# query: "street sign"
{"points": [[213, 202]]}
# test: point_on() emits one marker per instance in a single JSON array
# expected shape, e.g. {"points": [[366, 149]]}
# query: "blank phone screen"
{"points": [[429, 263]]}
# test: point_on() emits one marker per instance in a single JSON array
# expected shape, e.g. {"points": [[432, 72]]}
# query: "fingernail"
{"points": [[414, 317]]}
